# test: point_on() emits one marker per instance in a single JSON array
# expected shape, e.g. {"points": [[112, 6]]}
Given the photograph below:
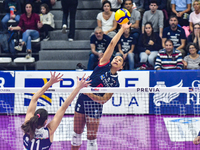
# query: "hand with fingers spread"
{"points": [[197, 140], [55, 78], [83, 82]]}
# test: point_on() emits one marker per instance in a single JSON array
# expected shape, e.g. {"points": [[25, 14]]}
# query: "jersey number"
{"points": [[37, 143]]}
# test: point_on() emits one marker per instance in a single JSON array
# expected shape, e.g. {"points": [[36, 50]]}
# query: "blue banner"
{"points": [[7, 79], [174, 103]]}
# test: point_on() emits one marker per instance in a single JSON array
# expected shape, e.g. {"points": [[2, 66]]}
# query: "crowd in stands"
{"points": [[159, 38], [164, 34]]}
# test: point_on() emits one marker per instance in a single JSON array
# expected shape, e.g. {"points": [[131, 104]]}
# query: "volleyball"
{"points": [[122, 16]]}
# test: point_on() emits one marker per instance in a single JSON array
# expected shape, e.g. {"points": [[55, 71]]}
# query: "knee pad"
{"points": [[76, 139], [92, 144]]}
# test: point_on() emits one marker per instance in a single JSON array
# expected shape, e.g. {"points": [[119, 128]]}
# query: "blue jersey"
{"points": [[102, 77], [40, 142]]}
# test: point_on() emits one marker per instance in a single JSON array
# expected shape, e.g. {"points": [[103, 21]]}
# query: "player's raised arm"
{"points": [[32, 106], [52, 126], [110, 49]]}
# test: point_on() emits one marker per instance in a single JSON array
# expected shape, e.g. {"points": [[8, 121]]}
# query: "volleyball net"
{"points": [[149, 118]]}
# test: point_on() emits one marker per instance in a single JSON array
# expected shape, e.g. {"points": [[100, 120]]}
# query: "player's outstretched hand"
{"points": [[83, 82], [55, 78], [196, 140], [126, 25]]}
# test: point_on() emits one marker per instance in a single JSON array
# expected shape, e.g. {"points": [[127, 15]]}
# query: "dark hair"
{"points": [[46, 7], [153, 1], [152, 36], [193, 35], [168, 40], [29, 4], [189, 44], [105, 2], [40, 116], [173, 16], [128, 0]]}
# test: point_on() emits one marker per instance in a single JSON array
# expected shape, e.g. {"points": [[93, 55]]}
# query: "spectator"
{"points": [[194, 37], [195, 15], [69, 6], [162, 4], [15, 4], [106, 20], [155, 17], [149, 44], [47, 20], [135, 18], [181, 8], [126, 47], [37, 3], [169, 57], [139, 5], [98, 43], [176, 34], [192, 61], [116, 4], [29, 24]]}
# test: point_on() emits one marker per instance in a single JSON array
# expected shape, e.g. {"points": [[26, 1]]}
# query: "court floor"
{"points": [[116, 132]]}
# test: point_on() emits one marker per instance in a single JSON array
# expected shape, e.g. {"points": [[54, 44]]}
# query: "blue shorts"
{"points": [[87, 106]]}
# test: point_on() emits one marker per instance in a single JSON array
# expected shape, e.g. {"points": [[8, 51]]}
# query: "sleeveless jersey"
{"points": [[40, 142]]}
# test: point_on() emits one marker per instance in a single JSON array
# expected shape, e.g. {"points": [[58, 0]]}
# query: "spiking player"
{"points": [[36, 135], [88, 109]]}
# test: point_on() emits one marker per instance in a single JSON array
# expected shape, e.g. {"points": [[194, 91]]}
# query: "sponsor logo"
{"points": [[94, 89], [165, 97], [148, 90]]}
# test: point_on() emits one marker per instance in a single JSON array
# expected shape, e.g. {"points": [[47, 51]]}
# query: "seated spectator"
{"points": [[192, 61], [98, 43], [149, 44], [106, 20], [116, 4], [126, 47], [15, 4], [194, 37], [162, 4], [135, 18], [195, 15], [181, 8], [169, 57], [176, 34], [29, 24], [155, 17], [38, 3], [47, 20]]}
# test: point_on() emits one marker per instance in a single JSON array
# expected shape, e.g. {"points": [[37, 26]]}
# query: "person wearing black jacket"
{"points": [[15, 4]]}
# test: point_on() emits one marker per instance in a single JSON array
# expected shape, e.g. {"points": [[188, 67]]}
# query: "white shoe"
{"points": [[19, 48], [70, 39], [64, 27]]}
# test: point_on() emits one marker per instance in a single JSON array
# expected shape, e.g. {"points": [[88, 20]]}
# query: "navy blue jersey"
{"points": [[126, 43], [40, 142], [175, 36], [102, 77], [100, 45]]}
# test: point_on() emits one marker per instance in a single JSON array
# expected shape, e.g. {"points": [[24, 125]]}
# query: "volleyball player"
{"points": [[38, 136], [88, 109]]}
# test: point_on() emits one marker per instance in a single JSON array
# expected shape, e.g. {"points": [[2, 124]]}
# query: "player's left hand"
{"points": [[126, 25], [83, 82]]}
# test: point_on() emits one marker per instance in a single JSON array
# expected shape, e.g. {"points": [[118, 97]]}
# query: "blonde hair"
{"points": [[196, 1]]}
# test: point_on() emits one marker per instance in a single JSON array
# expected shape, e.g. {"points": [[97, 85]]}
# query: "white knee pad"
{"points": [[76, 139], [92, 144]]}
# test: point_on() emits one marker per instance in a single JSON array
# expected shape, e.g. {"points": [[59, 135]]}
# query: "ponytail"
{"points": [[36, 121]]}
